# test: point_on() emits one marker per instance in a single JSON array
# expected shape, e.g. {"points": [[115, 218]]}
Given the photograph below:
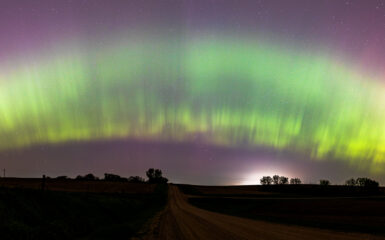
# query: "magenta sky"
{"points": [[350, 33]]}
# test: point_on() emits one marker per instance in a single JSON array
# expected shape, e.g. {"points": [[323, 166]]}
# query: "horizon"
{"points": [[212, 93], [139, 162]]}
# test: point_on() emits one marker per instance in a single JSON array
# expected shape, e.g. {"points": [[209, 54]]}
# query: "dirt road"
{"points": [[180, 221]]}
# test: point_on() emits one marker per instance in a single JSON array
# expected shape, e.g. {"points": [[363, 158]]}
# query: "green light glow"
{"points": [[232, 93]]}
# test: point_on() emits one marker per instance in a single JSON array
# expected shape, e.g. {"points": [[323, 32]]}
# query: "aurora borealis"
{"points": [[224, 77]]}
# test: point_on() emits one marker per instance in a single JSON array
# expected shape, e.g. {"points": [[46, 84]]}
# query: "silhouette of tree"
{"points": [[351, 182], [155, 176], [283, 180], [266, 180], [367, 182], [276, 179], [324, 182], [88, 177], [292, 181], [295, 181], [150, 173], [136, 179], [62, 177], [158, 173], [114, 178]]}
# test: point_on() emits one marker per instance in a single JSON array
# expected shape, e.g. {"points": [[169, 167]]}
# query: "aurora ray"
{"points": [[304, 78], [233, 93]]}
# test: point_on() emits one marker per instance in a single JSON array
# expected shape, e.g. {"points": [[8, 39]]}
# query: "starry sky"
{"points": [[212, 92]]}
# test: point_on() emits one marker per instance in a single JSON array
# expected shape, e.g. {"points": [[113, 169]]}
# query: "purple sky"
{"points": [[182, 162], [352, 29]]}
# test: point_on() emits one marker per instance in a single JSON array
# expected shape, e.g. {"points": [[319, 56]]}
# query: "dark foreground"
{"points": [[336, 208], [27, 213], [69, 209], [183, 221]]}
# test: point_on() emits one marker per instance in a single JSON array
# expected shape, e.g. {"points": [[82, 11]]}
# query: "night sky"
{"points": [[211, 92]]}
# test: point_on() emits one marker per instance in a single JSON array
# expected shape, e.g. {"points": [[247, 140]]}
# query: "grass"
{"points": [[301, 207], [34, 214], [72, 185], [271, 191]]}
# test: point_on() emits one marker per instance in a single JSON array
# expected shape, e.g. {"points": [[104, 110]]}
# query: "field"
{"points": [[71, 185], [73, 209], [69, 209], [334, 207]]}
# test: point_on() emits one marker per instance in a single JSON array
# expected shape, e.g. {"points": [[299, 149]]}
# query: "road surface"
{"points": [[182, 221]]}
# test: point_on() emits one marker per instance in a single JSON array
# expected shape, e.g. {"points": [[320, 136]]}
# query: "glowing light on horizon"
{"points": [[254, 177]]}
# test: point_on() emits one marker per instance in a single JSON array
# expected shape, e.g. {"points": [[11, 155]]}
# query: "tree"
{"points": [[295, 181], [155, 176], [276, 179], [62, 177], [283, 180], [367, 182], [266, 180], [351, 182], [114, 178], [158, 173], [88, 177], [136, 179], [324, 182], [150, 173]]}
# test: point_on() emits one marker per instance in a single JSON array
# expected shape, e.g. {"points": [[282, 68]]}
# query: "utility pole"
{"points": [[4, 172]]}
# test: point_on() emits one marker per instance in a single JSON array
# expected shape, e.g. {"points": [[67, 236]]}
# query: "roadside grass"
{"points": [[36, 214], [346, 215], [341, 208]]}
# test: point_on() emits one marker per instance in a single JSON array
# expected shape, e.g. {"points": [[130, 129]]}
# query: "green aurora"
{"points": [[229, 92]]}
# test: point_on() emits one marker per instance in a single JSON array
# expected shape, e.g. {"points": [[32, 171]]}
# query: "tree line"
{"points": [[282, 180], [279, 180], [153, 176]]}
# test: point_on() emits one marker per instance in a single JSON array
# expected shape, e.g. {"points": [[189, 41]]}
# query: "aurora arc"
{"points": [[230, 92]]}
